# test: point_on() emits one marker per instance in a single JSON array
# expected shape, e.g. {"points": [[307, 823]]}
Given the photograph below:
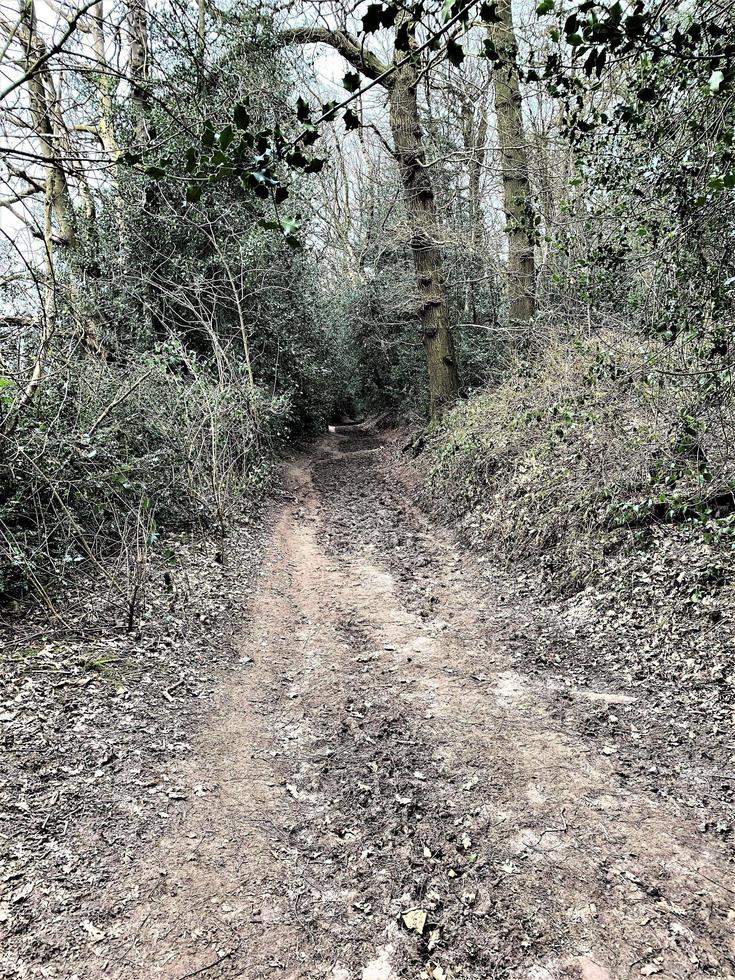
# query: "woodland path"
{"points": [[383, 793]]}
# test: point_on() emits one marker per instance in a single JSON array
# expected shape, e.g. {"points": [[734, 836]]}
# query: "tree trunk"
{"points": [[105, 82], [139, 56], [57, 192], [514, 164], [418, 196], [47, 127], [474, 135], [140, 64], [201, 43]]}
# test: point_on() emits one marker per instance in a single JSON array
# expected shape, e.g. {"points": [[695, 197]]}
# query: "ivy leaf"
{"points": [[290, 226], [351, 119], [489, 50], [303, 111], [157, 173], [193, 193], [722, 181], [314, 165], [351, 81], [455, 52], [635, 25], [545, 7]]}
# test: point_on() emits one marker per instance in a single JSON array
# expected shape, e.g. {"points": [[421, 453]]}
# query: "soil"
{"points": [[385, 784]]}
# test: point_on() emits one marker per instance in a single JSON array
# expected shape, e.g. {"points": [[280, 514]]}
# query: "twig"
{"points": [[211, 966], [113, 404]]}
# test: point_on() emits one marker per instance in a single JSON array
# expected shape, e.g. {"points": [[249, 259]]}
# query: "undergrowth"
{"points": [[590, 451], [115, 456]]}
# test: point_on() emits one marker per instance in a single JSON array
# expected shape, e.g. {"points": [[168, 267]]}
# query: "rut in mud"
{"points": [[382, 793]]}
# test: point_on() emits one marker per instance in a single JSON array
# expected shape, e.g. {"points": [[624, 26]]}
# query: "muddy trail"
{"points": [[384, 793]]}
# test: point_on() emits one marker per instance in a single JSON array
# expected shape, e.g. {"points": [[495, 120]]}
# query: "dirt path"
{"points": [[382, 793]]}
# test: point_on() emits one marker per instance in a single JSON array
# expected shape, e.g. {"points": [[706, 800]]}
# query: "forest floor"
{"points": [[381, 780]]}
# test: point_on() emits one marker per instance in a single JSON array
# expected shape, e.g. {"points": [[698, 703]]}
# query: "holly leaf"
{"points": [[373, 18], [296, 159], [455, 52], [328, 109], [241, 116], [226, 136], [448, 9], [351, 119], [351, 81], [489, 12]]}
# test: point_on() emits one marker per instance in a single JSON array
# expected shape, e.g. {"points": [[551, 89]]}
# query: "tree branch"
{"points": [[346, 44], [53, 50]]}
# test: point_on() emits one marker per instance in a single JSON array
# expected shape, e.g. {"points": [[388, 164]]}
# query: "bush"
{"points": [[112, 455]]}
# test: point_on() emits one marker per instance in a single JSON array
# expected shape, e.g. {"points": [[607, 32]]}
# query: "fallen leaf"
{"points": [[414, 919], [93, 931]]}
